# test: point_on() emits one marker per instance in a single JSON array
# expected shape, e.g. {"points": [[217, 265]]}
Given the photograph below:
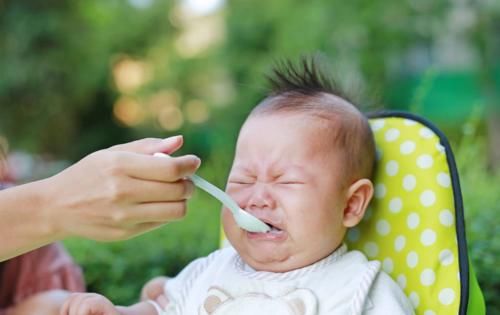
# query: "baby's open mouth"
{"points": [[273, 228], [277, 231]]}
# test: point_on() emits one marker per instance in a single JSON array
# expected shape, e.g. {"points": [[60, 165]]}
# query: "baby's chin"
{"points": [[281, 259], [274, 262]]}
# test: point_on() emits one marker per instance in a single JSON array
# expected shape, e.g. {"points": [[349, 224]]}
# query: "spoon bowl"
{"points": [[244, 219]]}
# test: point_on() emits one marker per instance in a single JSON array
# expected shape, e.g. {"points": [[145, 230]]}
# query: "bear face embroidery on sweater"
{"points": [[296, 302]]}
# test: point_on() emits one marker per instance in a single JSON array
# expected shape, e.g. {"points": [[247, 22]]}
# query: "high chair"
{"points": [[415, 223]]}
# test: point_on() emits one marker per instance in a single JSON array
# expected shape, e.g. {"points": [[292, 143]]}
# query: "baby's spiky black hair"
{"points": [[306, 88], [307, 77]]}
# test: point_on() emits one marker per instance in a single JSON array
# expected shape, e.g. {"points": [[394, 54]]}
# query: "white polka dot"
{"points": [[391, 134], [401, 281], [412, 259], [458, 276], [409, 182], [414, 299], [380, 191], [425, 161], [383, 227], [399, 243], [446, 257], [428, 237], [353, 235], [446, 217], [426, 133], [440, 148], [443, 179], [392, 168], [377, 124], [413, 220], [395, 205], [409, 122], [388, 265], [429, 312], [427, 198], [371, 249], [407, 147], [427, 277], [446, 296]]}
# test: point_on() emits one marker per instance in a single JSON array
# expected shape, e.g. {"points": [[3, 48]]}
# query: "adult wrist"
{"points": [[25, 222], [45, 198]]}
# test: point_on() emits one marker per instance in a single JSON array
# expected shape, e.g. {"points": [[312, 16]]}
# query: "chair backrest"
{"points": [[415, 224]]}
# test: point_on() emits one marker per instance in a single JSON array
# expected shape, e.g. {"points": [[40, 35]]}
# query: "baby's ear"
{"points": [[359, 195]]}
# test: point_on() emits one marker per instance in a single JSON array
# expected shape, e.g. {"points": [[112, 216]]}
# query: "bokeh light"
{"points": [[197, 111], [199, 35], [130, 74], [202, 7], [128, 111], [162, 99], [170, 117]]}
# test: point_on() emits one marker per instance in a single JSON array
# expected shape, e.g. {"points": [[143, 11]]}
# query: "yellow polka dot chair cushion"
{"points": [[414, 224]]}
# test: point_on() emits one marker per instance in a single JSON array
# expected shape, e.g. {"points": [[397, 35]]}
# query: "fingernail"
{"points": [[172, 140], [198, 162]]}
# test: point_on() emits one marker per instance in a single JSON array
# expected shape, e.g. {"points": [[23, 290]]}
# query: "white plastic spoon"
{"points": [[244, 219]]}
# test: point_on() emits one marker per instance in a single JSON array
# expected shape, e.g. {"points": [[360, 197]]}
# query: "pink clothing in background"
{"points": [[47, 268]]}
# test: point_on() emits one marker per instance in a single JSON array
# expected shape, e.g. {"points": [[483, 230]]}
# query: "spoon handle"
{"points": [[211, 189], [215, 192]]}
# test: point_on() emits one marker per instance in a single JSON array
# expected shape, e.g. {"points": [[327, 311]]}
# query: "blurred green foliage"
{"points": [[77, 76], [482, 208]]}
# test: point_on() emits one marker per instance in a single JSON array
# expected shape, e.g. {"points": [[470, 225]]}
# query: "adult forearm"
{"points": [[26, 219]]}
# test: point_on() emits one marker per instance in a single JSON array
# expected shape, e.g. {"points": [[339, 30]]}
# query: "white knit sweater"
{"points": [[342, 283]]}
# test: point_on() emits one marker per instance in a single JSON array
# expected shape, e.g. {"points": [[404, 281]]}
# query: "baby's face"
{"points": [[284, 174]]}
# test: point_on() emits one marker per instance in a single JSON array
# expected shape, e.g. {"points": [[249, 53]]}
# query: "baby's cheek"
{"points": [[232, 231], [228, 222]]}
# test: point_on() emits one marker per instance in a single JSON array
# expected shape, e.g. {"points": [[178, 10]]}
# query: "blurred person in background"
{"points": [[5, 176], [36, 282]]}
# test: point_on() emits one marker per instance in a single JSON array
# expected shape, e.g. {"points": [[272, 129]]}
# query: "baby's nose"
{"points": [[261, 198]]}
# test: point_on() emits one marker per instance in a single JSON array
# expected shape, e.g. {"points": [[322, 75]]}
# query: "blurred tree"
{"points": [[81, 75], [366, 42], [488, 43], [55, 58], [422, 56]]}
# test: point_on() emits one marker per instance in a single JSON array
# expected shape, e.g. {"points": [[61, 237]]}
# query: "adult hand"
{"points": [[120, 192]]}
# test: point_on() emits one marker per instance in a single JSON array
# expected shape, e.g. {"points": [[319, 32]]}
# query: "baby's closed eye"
{"points": [[290, 180], [241, 180]]}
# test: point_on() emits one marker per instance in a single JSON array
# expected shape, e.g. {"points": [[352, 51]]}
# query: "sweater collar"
{"points": [[248, 272]]}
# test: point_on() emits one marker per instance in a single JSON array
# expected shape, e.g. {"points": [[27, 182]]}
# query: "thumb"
{"points": [[151, 145]]}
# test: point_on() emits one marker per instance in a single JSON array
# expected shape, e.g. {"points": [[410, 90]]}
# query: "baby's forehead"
{"points": [[322, 129], [303, 133]]}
